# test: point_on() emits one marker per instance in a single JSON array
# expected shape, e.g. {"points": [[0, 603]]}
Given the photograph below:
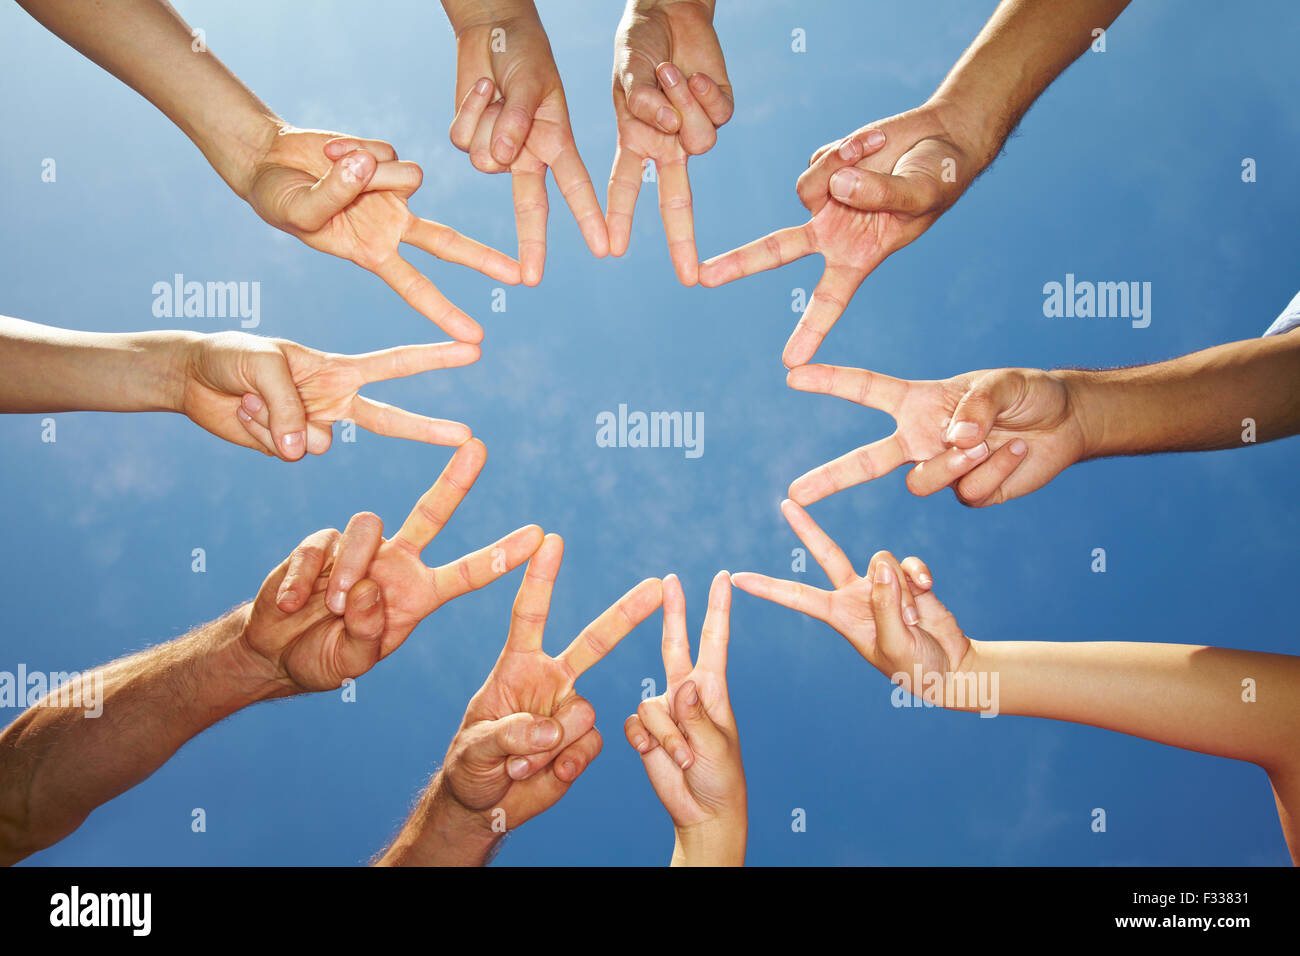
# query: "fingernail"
{"points": [[1018, 447], [883, 574], [924, 580], [517, 767], [692, 695], [483, 86], [337, 601], [570, 769], [698, 83], [978, 452], [682, 756], [545, 734], [875, 138], [669, 75], [667, 119], [283, 595], [252, 404], [505, 146], [292, 440], [242, 415], [909, 615], [850, 150], [960, 430], [641, 744], [843, 182], [353, 169]]}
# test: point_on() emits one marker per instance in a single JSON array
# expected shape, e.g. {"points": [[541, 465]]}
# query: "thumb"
{"points": [[702, 733], [987, 398], [894, 642], [310, 209], [515, 120], [363, 623], [870, 191], [515, 737], [273, 383]]}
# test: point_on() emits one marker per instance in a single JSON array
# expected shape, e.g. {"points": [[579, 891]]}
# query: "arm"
{"points": [[267, 394], [1194, 403], [149, 47], [59, 763]]}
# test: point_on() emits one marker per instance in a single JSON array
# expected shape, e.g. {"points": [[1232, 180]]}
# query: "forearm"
{"points": [[1021, 50], [58, 370], [440, 832], [113, 727], [1239, 704], [147, 45], [1198, 402]]}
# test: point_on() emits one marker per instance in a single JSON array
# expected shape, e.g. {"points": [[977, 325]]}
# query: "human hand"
{"points": [[504, 49], [526, 735], [990, 435], [282, 398], [688, 739], [339, 604], [932, 639], [347, 196], [671, 93], [887, 190]]}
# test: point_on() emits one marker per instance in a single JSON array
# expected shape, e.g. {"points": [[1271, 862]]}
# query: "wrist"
{"points": [[1085, 394], [443, 832], [174, 353], [228, 677], [967, 127], [719, 841]]}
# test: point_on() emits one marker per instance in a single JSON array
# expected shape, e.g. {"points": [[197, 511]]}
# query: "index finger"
{"points": [[436, 506], [870, 389], [676, 645], [770, 252], [825, 551], [407, 360], [533, 602], [449, 245], [600, 636]]}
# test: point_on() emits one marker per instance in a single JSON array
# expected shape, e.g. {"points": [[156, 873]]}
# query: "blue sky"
{"points": [[1127, 169]]}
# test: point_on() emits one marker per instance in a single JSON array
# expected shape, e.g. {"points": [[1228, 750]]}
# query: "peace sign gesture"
{"points": [[687, 736], [526, 735], [283, 398], [341, 603], [990, 435], [347, 196]]}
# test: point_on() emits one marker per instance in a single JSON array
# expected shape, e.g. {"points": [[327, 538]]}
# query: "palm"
{"points": [[851, 615], [694, 795]]}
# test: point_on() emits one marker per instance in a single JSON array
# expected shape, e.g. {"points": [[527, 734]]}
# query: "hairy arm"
{"points": [[60, 759]]}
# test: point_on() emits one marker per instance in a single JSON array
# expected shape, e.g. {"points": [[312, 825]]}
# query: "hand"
{"points": [[671, 93], [283, 399], [526, 131], [347, 197], [687, 736], [339, 604], [527, 735], [991, 435], [899, 184], [931, 640]]}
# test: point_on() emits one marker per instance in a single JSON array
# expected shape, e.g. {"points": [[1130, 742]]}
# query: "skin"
{"points": [[58, 766], [688, 739], [1181, 695], [994, 435], [526, 735], [512, 117], [880, 187], [339, 194], [271, 395], [671, 94]]}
